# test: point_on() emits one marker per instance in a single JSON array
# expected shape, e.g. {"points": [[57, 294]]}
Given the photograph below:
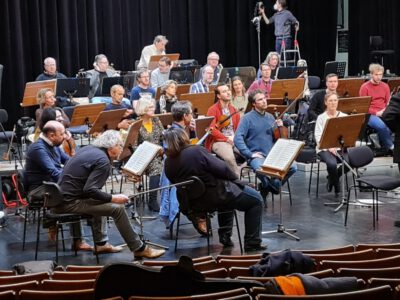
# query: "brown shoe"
{"points": [[149, 252], [80, 245], [202, 226], [51, 234], [107, 248]]}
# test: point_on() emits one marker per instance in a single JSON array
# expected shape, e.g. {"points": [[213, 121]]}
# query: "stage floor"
{"points": [[318, 226]]}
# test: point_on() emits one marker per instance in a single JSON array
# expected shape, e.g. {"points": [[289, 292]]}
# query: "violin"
{"points": [[223, 121], [282, 131], [69, 146]]}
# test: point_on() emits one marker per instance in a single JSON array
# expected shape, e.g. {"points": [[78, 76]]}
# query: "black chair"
{"points": [[377, 51], [314, 82], [53, 197], [194, 191], [364, 155]]}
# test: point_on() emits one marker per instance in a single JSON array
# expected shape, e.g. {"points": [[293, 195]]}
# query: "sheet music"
{"points": [[141, 158], [282, 154]]}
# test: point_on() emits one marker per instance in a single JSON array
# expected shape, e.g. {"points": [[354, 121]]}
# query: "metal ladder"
{"points": [[294, 54]]}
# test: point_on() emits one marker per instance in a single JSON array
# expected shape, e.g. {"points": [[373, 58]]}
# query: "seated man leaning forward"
{"points": [[223, 191], [254, 139], [81, 182]]}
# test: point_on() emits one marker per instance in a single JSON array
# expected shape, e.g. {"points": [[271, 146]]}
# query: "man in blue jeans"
{"points": [[254, 138]]}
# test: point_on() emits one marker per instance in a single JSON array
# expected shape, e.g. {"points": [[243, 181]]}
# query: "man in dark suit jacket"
{"points": [[391, 117]]}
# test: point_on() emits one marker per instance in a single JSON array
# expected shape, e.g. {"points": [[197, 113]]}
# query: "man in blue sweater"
{"points": [[254, 139]]}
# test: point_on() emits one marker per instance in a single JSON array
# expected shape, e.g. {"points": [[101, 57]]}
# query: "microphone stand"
{"points": [[257, 22]]}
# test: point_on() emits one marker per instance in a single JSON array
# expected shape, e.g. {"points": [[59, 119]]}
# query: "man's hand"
{"points": [[380, 113], [279, 122], [192, 124], [119, 199], [124, 124], [257, 155]]}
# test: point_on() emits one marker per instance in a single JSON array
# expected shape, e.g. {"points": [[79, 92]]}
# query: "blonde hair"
{"points": [[40, 96], [143, 105], [375, 67]]}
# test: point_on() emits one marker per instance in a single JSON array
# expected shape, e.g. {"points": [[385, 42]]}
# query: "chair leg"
{"points": [[62, 237], [373, 208], [94, 243], [238, 232], [37, 237], [347, 205], [318, 179], [178, 220], [377, 203], [24, 234], [57, 229], [309, 181]]}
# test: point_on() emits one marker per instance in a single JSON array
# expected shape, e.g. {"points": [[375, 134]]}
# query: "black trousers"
{"points": [[331, 162]]}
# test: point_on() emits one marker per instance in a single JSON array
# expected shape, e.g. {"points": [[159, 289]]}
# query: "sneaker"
{"points": [[226, 240], [252, 248], [107, 248], [149, 252]]}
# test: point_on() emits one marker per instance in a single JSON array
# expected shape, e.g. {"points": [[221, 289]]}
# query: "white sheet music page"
{"points": [[282, 154], [141, 158]]}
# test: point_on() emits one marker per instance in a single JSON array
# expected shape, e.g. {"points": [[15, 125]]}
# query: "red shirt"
{"points": [[216, 135], [261, 85], [380, 94]]}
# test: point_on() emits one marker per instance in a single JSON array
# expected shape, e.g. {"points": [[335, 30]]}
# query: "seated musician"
{"points": [[182, 115], [117, 94], [168, 97], [220, 140], [82, 182], [160, 75], [213, 62], [46, 98], [151, 131], [50, 70], [329, 156], [157, 48], [254, 139], [380, 93], [44, 162], [143, 87], [184, 160], [239, 95], [265, 82], [202, 86]]}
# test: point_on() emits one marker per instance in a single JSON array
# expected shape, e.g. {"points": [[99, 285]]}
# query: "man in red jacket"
{"points": [[221, 139]]}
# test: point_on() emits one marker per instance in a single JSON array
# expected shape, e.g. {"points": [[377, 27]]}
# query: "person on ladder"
{"points": [[283, 20]]}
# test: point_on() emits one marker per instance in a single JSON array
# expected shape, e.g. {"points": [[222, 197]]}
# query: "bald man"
{"points": [[50, 70]]}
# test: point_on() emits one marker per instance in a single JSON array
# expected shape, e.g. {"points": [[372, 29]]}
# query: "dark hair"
{"points": [[179, 109], [330, 75], [48, 114], [253, 94], [176, 140], [216, 91], [282, 3]]}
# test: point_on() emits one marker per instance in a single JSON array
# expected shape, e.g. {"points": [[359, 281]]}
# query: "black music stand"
{"points": [[108, 82], [183, 74], [342, 133], [73, 87], [290, 72], [247, 74], [108, 119], [335, 67]]}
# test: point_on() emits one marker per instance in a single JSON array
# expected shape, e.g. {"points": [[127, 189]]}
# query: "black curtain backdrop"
{"points": [[371, 17], [74, 31]]}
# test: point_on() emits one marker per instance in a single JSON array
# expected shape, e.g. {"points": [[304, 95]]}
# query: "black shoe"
{"points": [[226, 240], [329, 185], [397, 223], [252, 248], [263, 191], [337, 189]]}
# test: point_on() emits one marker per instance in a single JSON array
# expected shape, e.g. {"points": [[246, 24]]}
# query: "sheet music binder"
{"points": [[281, 157], [141, 158]]}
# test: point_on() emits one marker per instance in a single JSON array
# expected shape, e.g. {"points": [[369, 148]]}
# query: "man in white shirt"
{"points": [[157, 48], [160, 75]]}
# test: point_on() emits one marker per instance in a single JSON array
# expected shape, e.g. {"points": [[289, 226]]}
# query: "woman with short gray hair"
{"points": [[168, 97]]}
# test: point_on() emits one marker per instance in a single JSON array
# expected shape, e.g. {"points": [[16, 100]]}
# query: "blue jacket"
{"points": [[43, 163]]}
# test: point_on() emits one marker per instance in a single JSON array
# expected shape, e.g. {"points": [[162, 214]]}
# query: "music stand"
{"points": [[183, 74], [354, 105], [166, 119], [108, 82], [335, 67], [108, 119], [342, 133], [86, 114], [200, 101], [273, 109], [201, 126], [275, 101], [287, 88], [349, 87], [154, 59], [130, 140], [290, 72], [32, 88], [73, 87], [247, 74]]}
